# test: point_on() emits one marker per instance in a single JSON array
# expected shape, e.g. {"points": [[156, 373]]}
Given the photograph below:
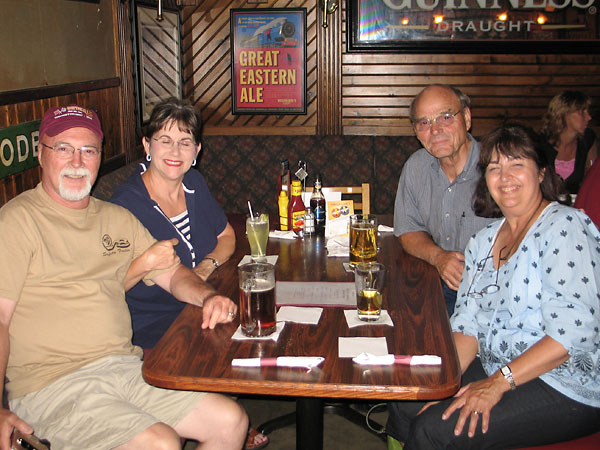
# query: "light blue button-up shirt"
{"points": [[549, 286]]}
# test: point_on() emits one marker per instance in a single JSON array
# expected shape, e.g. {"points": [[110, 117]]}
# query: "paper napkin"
{"points": [[354, 321], [298, 314], [239, 336], [271, 259], [338, 247], [385, 229], [349, 347], [277, 234]]}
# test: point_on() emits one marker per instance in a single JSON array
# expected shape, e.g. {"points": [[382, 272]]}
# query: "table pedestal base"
{"points": [[309, 421]]}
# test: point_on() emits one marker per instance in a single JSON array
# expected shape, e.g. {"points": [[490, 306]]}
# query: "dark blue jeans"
{"points": [[533, 414], [450, 297]]}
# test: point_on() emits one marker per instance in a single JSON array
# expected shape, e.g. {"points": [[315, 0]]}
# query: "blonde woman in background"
{"points": [[573, 146]]}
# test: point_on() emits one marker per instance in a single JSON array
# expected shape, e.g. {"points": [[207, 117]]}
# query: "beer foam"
{"points": [[262, 286]]}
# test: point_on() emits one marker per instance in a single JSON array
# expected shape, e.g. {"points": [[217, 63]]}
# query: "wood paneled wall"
{"points": [[369, 94], [104, 101], [207, 70], [112, 98]]}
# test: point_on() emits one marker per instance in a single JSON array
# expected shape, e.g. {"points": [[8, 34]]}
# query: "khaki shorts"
{"points": [[101, 405]]}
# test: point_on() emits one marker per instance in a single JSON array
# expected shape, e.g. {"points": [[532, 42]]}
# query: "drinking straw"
{"points": [[250, 209]]}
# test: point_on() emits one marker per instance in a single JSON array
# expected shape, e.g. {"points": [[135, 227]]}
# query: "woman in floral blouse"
{"points": [[527, 318]]}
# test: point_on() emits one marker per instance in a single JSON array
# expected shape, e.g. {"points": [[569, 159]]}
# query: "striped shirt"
{"points": [[182, 223]]}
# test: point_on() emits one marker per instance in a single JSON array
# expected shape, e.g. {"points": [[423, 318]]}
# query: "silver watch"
{"points": [[505, 370]]}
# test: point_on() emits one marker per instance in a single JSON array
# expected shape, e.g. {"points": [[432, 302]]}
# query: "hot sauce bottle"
{"points": [[296, 209], [317, 204]]}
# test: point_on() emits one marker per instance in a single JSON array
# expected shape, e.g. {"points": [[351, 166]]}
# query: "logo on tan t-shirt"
{"points": [[110, 245]]}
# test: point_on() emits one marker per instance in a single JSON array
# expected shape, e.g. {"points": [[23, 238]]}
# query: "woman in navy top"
{"points": [[173, 201]]}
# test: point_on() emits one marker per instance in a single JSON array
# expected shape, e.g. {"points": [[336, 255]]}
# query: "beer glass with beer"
{"points": [[363, 238], [369, 282], [257, 299], [257, 231]]}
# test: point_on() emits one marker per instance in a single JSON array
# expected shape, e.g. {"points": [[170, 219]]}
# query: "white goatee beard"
{"points": [[75, 195]]}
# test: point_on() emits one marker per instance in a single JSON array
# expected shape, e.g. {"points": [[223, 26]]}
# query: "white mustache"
{"points": [[75, 195], [75, 172]]}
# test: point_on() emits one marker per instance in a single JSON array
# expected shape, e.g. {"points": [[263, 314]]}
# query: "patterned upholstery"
{"points": [[242, 168]]}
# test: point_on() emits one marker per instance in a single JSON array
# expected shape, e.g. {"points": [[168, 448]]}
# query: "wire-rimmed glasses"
{"points": [[66, 151], [490, 288], [443, 120], [187, 145]]}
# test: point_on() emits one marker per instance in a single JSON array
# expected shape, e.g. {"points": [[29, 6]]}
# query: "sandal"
{"points": [[256, 440]]}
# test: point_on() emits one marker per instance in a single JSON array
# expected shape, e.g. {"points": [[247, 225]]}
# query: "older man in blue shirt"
{"points": [[433, 214]]}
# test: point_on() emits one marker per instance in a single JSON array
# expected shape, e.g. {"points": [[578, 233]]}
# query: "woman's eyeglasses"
{"points": [[490, 288]]}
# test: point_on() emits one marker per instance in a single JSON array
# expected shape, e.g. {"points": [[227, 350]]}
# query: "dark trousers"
{"points": [[533, 414], [450, 297]]}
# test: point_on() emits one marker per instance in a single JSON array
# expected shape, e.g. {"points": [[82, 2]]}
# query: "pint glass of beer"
{"points": [[257, 299], [369, 282], [363, 238]]}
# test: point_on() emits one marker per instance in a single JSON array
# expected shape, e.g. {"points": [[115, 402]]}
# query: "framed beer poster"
{"points": [[473, 26], [268, 61]]}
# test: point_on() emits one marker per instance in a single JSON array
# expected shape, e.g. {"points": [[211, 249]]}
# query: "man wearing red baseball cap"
{"points": [[65, 329]]}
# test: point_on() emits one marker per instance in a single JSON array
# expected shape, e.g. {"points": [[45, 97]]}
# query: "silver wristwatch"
{"points": [[505, 370]]}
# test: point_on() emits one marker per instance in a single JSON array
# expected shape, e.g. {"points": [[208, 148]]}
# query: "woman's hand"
{"points": [[161, 255], [475, 400], [217, 309]]}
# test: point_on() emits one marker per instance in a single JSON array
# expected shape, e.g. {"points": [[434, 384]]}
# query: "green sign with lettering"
{"points": [[18, 148]]}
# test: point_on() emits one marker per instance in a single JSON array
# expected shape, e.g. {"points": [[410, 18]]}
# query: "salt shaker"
{"points": [[309, 222]]}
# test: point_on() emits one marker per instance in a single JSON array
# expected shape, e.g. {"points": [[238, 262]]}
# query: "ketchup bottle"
{"points": [[296, 209]]}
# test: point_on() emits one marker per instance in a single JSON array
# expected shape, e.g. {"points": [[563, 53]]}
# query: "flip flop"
{"points": [[256, 440]]}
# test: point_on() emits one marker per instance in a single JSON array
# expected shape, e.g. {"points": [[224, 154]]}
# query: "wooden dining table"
{"points": [[190, 358]]}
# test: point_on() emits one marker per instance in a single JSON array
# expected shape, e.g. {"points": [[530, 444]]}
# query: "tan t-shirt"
{"points": [[65, 268]]}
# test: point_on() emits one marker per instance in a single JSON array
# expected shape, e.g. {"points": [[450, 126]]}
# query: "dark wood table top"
{"points": [[190, 358]]}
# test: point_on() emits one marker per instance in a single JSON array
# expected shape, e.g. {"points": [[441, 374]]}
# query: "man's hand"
{"points": [[217, 309], [161, 255], [450, 266], [8, 421]]}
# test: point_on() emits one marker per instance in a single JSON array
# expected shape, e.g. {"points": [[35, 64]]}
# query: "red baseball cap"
{"points": [[62, 118]]}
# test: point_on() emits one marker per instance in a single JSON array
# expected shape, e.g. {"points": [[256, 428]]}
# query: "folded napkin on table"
{"points": [[338, 247], [354, 321], [349, 347], [298, 314], [239, 336], [277, 234], [385, 229], [271, 259]]}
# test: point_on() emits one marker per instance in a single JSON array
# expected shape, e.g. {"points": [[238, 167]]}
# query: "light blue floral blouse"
{"points": [[550, 286]]}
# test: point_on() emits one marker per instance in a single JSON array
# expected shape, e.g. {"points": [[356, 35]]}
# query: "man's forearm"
{"points": [[137, 270], [420, 244]]}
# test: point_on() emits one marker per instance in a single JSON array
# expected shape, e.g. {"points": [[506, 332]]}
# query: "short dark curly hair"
{"points": [[515, 141], [182, 112]]}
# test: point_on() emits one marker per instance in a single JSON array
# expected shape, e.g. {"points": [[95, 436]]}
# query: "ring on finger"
{"points": [[230, 313], [476, 412]]}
